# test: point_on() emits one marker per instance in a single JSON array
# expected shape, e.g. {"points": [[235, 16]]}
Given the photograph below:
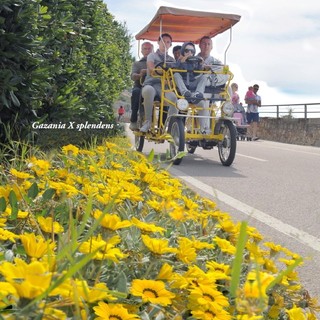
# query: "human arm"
{"points": [[138, 71], [213, 64], [151, 67], [253, 100], [138, 76]]}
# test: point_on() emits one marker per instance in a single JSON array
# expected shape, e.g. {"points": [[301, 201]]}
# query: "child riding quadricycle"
{"points": [[187, 102]]}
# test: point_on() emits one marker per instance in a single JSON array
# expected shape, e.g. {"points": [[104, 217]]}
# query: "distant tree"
{"points": [[290, 114]]}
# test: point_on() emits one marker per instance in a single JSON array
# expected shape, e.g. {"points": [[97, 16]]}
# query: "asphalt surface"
{"points": [[273, 186]]}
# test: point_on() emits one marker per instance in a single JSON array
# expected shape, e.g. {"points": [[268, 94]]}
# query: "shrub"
{"points": [[59, 60]]}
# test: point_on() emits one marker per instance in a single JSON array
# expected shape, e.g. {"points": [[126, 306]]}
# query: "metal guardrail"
{"points": [[306, 110]]}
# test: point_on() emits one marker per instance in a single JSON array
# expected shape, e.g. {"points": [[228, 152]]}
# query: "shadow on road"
{"points": [[196, 165]]}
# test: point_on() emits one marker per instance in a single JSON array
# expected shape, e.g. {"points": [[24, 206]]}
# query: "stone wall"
{"points": [[295, 131]]}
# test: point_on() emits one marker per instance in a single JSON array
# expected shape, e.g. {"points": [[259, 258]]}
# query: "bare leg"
{"points": [[254, 129]]}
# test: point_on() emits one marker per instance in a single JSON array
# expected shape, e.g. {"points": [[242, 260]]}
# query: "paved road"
{"points": [[274, 186]]}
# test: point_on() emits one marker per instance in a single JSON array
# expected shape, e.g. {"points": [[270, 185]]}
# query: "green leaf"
{"points": [[33, 191], [3, 204], [284, 273], [237, 262], [122, 282], [14, 205], [4, 100], [48, 194], [43, 9], [151, 155], [14, 99]]}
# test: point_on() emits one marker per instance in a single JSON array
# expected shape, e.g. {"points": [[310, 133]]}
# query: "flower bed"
{"points": [[103, 233]]}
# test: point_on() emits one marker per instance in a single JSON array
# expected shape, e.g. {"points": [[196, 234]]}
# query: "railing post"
{"points": [[278, 113], [305, 112]]}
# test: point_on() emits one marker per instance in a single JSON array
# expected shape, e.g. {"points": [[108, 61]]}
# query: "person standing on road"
{"points": [[138, 73], [253, 113], [120, 112]]}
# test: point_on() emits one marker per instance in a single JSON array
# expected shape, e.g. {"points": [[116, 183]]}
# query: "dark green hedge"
{"points": [[60, 60]]}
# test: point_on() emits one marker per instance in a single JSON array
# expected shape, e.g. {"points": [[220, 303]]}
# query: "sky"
{"points": [[276, 43]]}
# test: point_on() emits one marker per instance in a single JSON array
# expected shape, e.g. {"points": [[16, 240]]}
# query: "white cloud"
{"points": [[276, 43]]}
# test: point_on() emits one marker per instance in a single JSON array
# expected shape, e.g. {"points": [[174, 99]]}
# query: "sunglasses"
{"points": [[189, 50]]}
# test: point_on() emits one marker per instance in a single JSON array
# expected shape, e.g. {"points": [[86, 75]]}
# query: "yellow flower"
{"points": [[147, 227], [5, 191], [311, 316], [20, 175], [207, 296], [296, 313], [225, 245], [111, 221], [103, 250], [270, 266], [53, 314], [22, 214], [89, 189], [256, 284], [273, 246], [131, 192], [155, 204], [246, 317], [157, 246], [186, 252], [152, 291], [61, 173], [30, 280], [7, 235], [70, 149], [116, 165], [165, 272], [218, 267], [165, 193], [49, 226], [199, 245], [178, 213], [82, 292], [210, 313], [40, 167], [62, 188], [87, 152], [111, 311], [99, 292], [8, 295], [3, 222], [36, 246], [141, 168]]}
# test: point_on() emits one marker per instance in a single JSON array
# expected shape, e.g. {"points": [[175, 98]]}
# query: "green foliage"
{"points": [[59, 60], [21, 83]]}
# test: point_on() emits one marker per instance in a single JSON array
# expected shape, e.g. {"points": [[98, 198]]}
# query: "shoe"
{"points": [[146, 126], [197, 97], [187, 95], [133, 126]]}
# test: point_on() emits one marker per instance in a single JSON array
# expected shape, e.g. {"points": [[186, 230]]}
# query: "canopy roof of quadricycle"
{"points": [[187, 25]]}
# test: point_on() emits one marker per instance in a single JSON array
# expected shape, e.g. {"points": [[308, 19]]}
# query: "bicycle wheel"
{"points": [[227, 147], [176, 130]]}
